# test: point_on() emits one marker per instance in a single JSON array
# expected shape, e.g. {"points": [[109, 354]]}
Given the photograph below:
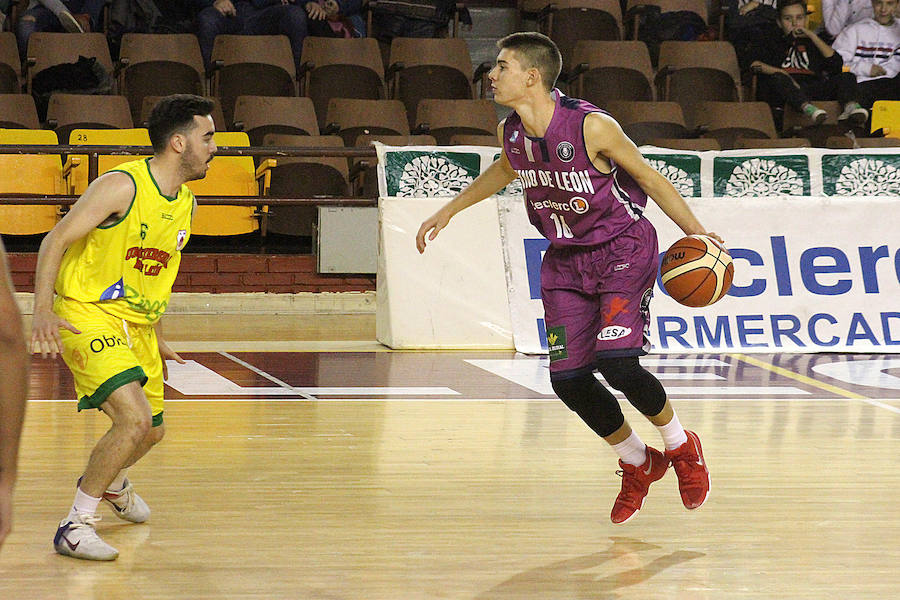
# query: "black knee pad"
{"points": [[587, 397], [643, 390]]}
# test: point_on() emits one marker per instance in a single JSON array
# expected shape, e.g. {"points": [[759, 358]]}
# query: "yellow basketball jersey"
{"points": [[128, 267]]}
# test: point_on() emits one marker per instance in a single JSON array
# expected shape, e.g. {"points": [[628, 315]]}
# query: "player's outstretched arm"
{"points": [[106, 200], [495, 178], [603, 135], [13, 393]]}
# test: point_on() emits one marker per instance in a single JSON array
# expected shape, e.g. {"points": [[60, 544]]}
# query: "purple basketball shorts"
{"points": [[597, 298]]}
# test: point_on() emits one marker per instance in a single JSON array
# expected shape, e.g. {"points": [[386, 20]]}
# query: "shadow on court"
{"points": [[595, 576]]}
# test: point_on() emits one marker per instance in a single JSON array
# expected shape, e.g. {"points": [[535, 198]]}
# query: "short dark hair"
{"points": [[783, 4], [175, 114], [535, 50]]}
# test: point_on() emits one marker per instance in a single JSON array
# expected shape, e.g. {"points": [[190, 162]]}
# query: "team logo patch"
{"points": [[565, 151], [514, 136], [579, 205], [613, 332], [116, 290], [556, 343], [179, 240]]}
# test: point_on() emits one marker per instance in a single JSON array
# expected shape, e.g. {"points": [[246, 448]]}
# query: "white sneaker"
{"points": [[855, 113], [78, 538], [127, 504]]}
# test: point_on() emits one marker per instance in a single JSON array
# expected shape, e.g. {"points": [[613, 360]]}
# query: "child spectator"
{"points": [[871, 48], [798, 66]]}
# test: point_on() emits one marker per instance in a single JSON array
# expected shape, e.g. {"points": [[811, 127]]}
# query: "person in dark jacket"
{"points": [[797, 67], [250, 17], [56, 15]]}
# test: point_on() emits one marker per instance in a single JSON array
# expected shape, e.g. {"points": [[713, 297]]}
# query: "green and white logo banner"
{"points": [[786, 172], [435, 171]]}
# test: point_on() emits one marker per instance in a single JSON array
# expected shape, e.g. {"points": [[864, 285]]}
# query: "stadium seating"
{"points": [[696, 71], [29, 174], [445, 118], [603, 71], [352, 117], [251, 65], [10, 65], [304, 177], [159, 65], [18, 111], [260, 115], [567, 21], [340, 68], [77, 174], [66, 112], [886, 116], [432, 68], [231, 176]]}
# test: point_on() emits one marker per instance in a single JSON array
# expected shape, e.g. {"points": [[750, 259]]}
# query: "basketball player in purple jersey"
{"points": [[586, 186]]}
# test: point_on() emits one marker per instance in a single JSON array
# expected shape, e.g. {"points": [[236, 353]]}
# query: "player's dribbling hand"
{"points": [[434, 224], [45, 336], [715, 236]]}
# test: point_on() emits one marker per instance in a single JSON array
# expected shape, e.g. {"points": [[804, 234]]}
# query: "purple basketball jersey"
{"points": [[568, 200]]}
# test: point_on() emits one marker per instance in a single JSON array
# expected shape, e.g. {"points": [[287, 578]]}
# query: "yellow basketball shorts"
{"points": [[109, 353]]}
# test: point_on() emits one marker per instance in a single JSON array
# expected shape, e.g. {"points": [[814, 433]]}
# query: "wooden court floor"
{"points": [[336, 470]]}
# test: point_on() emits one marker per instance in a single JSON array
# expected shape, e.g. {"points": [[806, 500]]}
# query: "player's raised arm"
{"points": [[603, 135], [106, 200], [495, 178]]}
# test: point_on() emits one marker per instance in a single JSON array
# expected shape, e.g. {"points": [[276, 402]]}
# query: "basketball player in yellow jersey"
{"points": [[13, 391], [112, 261]]}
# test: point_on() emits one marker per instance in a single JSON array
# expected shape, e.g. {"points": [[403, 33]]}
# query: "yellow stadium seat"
{"points": [[886, 115], [29, 174], [77, 176], [230, 176]]}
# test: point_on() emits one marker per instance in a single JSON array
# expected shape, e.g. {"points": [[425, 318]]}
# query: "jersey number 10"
{"points": [[562, 229]]}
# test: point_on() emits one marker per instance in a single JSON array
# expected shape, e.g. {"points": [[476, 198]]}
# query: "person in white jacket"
{"points": [[871, 49], [840, 14]]}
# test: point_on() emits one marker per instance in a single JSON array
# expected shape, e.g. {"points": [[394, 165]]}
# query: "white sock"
{"points": [[673, 434], [119, 482], [83, 505], [632, 451]]}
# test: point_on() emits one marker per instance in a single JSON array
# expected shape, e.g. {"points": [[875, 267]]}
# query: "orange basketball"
{"points": [[696, 270]]}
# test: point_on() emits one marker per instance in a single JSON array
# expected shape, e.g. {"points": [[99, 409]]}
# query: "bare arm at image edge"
{"points": [[14, 362]]}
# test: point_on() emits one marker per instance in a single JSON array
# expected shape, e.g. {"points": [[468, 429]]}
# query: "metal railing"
{"points": [[93, 152]]}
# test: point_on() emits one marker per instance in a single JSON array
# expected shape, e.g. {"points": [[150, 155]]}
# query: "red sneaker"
{"points": [[635, 484], [690, 467]]}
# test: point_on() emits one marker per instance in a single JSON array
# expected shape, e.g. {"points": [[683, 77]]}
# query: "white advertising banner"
{"points": [[814, 234], [811, 275]]}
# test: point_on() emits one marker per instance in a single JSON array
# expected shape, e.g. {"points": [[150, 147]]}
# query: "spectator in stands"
{"points": [[251, 17], [798, 66], [838, 14], [336, 18], [4, 12], [746, 21], [57, 15], [871, 48]]}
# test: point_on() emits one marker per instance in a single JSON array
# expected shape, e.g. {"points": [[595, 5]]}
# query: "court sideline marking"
{"points": [[812, 382], [271, 378]]}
